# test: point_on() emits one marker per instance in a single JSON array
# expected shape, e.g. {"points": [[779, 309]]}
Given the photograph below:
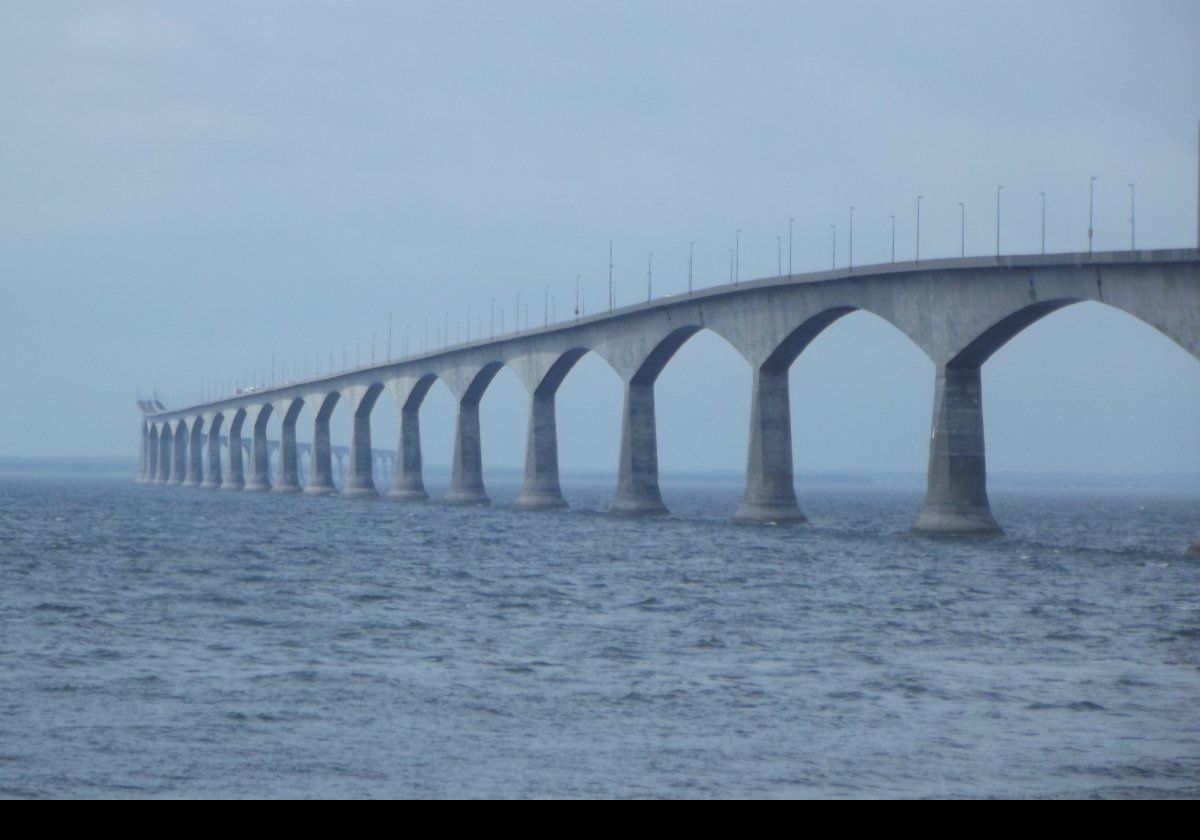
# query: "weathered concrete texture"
{"points": [[166, 449], [958, 312], [235, 478], [260, 454], [956, 500], [360, 480], [152, 455], [541, 489], [408, 485], [288, 480], [212, 472], [637, 475], [466, 476], [770, 492], [320, 474], [179, 457], [195, 460]]}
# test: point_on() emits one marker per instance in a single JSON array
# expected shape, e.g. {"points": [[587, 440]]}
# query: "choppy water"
{"points": [[170, 642]]}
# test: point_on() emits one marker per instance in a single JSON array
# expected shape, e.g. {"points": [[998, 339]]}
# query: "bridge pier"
{"points": [[179, 457], [235, 478], [1195, 549], [408, 484], [165, 455], [151, 458], [956, 500], [770, 491], [320, 469], [143, 454], [289, 464], [637, 477], [360, 480], [466, 477], [212, 475], [260, 453], [195, 460], [541, 489]]}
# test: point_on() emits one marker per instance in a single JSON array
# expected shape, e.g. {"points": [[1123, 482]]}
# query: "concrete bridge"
{"points": [[958, 311]]}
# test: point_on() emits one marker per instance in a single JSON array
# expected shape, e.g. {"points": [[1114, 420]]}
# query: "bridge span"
{"points": [[958, 311]]}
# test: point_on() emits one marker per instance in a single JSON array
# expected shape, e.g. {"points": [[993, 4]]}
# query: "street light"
{"points": [[893, 218], [691, 255], [962, 229], [833, 248], [1132, 229], [790, 246], [737, 256], [850, 263], [998, 188], [649, 277], [918, 257], [1091, 206], [1043, 195]]}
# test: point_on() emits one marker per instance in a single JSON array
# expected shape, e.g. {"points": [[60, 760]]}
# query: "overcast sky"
{"points": [[191, 187]]}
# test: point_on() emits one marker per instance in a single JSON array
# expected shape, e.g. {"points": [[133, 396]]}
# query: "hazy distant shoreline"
{"points": [[1185, 483]]}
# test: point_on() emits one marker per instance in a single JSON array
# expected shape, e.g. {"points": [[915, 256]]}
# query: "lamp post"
{"points": [[1132, 229], [612, 292], [649, 277], [1043, 195], [850, 261], [1091, 207], [779, 256], [893, 218], [998, 188], [918, 257], [962, 229], [833, 247], [691, 254], [737, 256], [790, 246]]}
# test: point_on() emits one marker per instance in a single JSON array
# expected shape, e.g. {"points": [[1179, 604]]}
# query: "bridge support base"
{"points": [[541, 489], [956, 501], [289, 464], [466, 478], [770, 496], [1195, 549], [212, 473], [637, 477], [320, 469], [360, 482], [408, 486]]}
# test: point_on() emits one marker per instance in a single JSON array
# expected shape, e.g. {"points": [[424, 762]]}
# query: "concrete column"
{"points": [[637, 478], [770, 493], [408, 484], [466, 477], [289, 467], [260, 454], [166, 449], [195, 462], [361, 479], [234, 478], [541, 489], [320, 465], [956, 499], [179, 459], [143, 456], [152, 457], [1195, 549], [212, 474]]}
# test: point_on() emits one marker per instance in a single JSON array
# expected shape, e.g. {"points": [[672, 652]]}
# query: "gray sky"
{"points": [[190, 187]]}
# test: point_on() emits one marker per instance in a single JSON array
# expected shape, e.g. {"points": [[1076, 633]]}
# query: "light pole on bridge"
{"points": [[962, 229], [1132, 229], [1091, 207], [850, 260], [1043, 195], [833, 247], [918, 256], [998, 188]]}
